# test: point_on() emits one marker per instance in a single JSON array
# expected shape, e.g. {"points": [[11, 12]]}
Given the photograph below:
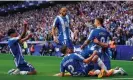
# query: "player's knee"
{"points": [[32, 73], [94, 59]]}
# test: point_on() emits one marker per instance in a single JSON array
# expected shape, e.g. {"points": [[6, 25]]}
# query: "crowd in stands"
{"points": [[118, 20]]}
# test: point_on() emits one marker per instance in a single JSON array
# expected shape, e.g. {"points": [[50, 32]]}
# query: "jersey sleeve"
{"points": [[90, 52], [13, 40], [56, 22], [62, 68], [69, 18], [91, 35], [78, 57]]}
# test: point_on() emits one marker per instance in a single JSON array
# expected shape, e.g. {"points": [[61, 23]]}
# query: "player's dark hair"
{"points": [[63, 49], [11, 31], [132, 20], [32, 30], [100, 20]]}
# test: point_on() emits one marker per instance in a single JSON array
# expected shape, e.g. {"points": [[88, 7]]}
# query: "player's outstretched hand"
{"points": [[25, 23]]}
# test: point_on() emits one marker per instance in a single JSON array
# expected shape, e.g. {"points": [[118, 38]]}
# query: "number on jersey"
{"points": [[103, 39], [71, 68]]}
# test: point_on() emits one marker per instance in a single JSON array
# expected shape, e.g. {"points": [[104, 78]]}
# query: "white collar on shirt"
{"points": [[99, 27]]}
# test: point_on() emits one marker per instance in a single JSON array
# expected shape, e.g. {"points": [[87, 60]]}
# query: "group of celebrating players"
{"points": [[93, 60]]}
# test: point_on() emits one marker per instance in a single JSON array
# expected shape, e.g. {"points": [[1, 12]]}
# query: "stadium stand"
{"points": [[118, 18], [38, 17], [117, 15]]}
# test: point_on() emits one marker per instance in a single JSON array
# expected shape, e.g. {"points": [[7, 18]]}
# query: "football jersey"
{"points": [[16, 50], [73, 63], [102, 35], [63, 26]]}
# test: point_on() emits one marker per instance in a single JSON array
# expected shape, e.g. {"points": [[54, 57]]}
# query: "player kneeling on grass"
{"points": [[103, 72], [23, 68], [103, 69], [102, 65], [75, 64]]}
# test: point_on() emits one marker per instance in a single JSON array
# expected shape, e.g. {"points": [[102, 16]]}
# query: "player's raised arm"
{"points": [[91, 37], [26, 38], [24, 31], [85, 44], [55, 24]]}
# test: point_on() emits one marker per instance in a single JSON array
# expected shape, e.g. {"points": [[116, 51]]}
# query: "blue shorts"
{"points": [[84, 70], [67, 42], [106, 60], [105, 57], [88, 68]]}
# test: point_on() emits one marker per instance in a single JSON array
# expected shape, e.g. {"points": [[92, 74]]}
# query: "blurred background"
{"points": [[117, 15]]}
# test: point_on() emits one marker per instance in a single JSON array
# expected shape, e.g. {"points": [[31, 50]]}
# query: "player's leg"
{"points": [[97, 60], [69, 44], [103, 58], [106, 60], [11, 71], [57, 47], [103, 71], [116, 71], [94, 72], [111, 72], [14, 71], [27, 69], [28, 73], [100, 73]]}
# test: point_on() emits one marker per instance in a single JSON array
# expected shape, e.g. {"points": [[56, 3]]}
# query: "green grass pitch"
{"points": [[48, 66]]}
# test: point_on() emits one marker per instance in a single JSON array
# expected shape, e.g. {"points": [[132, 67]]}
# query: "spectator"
{"points": [[118, 18], [47, 49]]}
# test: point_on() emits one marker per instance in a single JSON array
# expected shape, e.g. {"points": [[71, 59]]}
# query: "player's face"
{"points": [[69, 50], [64, 12], [96, 22], [15, 34]]}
